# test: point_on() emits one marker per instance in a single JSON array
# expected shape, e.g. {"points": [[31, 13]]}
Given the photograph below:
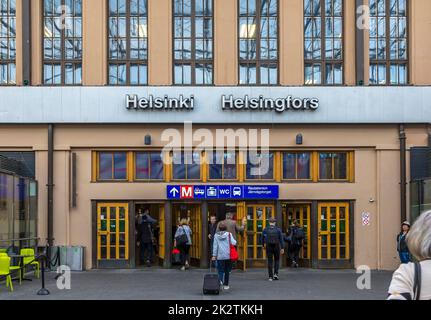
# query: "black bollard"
{"points": [[43, 291]]}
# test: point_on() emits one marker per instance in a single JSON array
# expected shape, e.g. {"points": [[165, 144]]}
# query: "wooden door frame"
{"points": [[112, 264], [332, 264], [305, 263], [133, 248], [251, 262]]}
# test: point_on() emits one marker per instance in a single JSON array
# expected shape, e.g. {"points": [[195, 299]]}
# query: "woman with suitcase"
{"points": [[222, 253]]}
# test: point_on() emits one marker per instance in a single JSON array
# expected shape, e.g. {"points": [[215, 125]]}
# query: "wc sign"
{"points": [[221, 192]]}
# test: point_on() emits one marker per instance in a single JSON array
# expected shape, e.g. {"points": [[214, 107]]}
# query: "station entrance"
{"points": [[157, 212], [192, 213]]}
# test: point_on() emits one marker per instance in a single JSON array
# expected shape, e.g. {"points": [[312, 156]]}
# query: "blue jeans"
{"points": [[224, 268], [404, 256]]}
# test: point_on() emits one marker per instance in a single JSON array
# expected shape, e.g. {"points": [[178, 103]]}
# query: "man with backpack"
{"points": [[295, 238], [272, 241], [146, 236]]}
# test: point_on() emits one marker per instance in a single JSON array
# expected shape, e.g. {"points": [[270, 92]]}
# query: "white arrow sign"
{"points": [[174, 192]]}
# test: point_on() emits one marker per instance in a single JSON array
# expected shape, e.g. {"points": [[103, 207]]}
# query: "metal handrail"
{"points": [[20, 239]]}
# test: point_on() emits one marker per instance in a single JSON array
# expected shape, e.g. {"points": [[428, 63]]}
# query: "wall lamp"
{"points": [[299, 139], [148, 140]]}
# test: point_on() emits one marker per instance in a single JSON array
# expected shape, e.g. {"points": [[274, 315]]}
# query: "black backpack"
{"points": [[272, 235], [299, 234]]}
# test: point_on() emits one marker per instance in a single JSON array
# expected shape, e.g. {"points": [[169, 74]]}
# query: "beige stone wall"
{"points": [[225, 42], [374, 190], [94, 30]]}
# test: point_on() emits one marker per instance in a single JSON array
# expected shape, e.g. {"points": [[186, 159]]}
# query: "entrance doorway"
{"points": [[112, 239], [191, 212], [257, 220], [157, 212], [237, 209], [300, 213]]}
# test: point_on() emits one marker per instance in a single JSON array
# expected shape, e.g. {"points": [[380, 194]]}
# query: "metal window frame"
{"points": [[128, 61], [323, 61], [258, 38], [8, 38], [193, 61], [63, 61], [388, 61]]}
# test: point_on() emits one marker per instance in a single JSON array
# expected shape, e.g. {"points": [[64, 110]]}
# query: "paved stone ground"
{"points": [[161, 284]]}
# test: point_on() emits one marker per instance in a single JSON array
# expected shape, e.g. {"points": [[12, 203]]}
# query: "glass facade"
{"points": [[223, 166], [388, 42], [333, 166], [112, 166], [18, 208], [128, 42], [258, 42], [260, 166], [62, 42], [296, 166], [323, 42], [186, 165], [7, 42], [149, 166], [193, 42]]}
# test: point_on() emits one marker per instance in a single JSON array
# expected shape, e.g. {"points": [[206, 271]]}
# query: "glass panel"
{"points": [[105, 166], [340, 166], [289, 162], [142, 166], [325, 166], [120, 165], [303, 165]]}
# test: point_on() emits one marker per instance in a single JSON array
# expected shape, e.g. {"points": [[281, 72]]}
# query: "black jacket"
{"points": [[402, 243], [145, 229]]}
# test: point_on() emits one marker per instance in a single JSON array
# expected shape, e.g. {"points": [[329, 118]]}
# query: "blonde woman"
{"points": [[413, 281], [183, 241]]}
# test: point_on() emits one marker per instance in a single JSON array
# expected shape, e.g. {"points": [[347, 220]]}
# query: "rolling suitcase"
{"points": [[211, 283]]}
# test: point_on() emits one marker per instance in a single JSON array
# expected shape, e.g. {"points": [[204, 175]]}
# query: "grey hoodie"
{"points": [[221, 247]]}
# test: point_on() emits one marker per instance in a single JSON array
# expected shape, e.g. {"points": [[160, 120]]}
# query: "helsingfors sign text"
{"points": [[279, 105]]}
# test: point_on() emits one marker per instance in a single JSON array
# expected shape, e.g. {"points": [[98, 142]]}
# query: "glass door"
{"points": [[112, 233], [333, 243], [257, 220], [300, 213]]}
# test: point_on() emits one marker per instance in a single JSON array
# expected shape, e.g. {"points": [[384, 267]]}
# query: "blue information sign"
{"points": [[223, 192]]}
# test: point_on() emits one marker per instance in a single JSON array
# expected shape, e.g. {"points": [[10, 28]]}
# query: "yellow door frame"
{"points": [[108, 233], [327, 232], [255, 233]]}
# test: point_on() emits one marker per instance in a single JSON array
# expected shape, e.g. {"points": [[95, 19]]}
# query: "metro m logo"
{"points": [[187, 192]]}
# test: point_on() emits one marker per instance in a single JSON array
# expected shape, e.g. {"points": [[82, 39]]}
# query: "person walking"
{"points": [[412, 281], [232, 226], [183, 241], [402, 247], [146, 237], [223, 239], [272, 241], [212, 229], [294, 238]]}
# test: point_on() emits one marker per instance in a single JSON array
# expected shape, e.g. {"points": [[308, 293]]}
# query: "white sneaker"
{"points": [[183, 268], [270, 279], [226, 288]]}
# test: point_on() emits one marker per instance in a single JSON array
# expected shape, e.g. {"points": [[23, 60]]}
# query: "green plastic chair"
{"points": [[13, 268], [5, 271], [30, 260]]}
